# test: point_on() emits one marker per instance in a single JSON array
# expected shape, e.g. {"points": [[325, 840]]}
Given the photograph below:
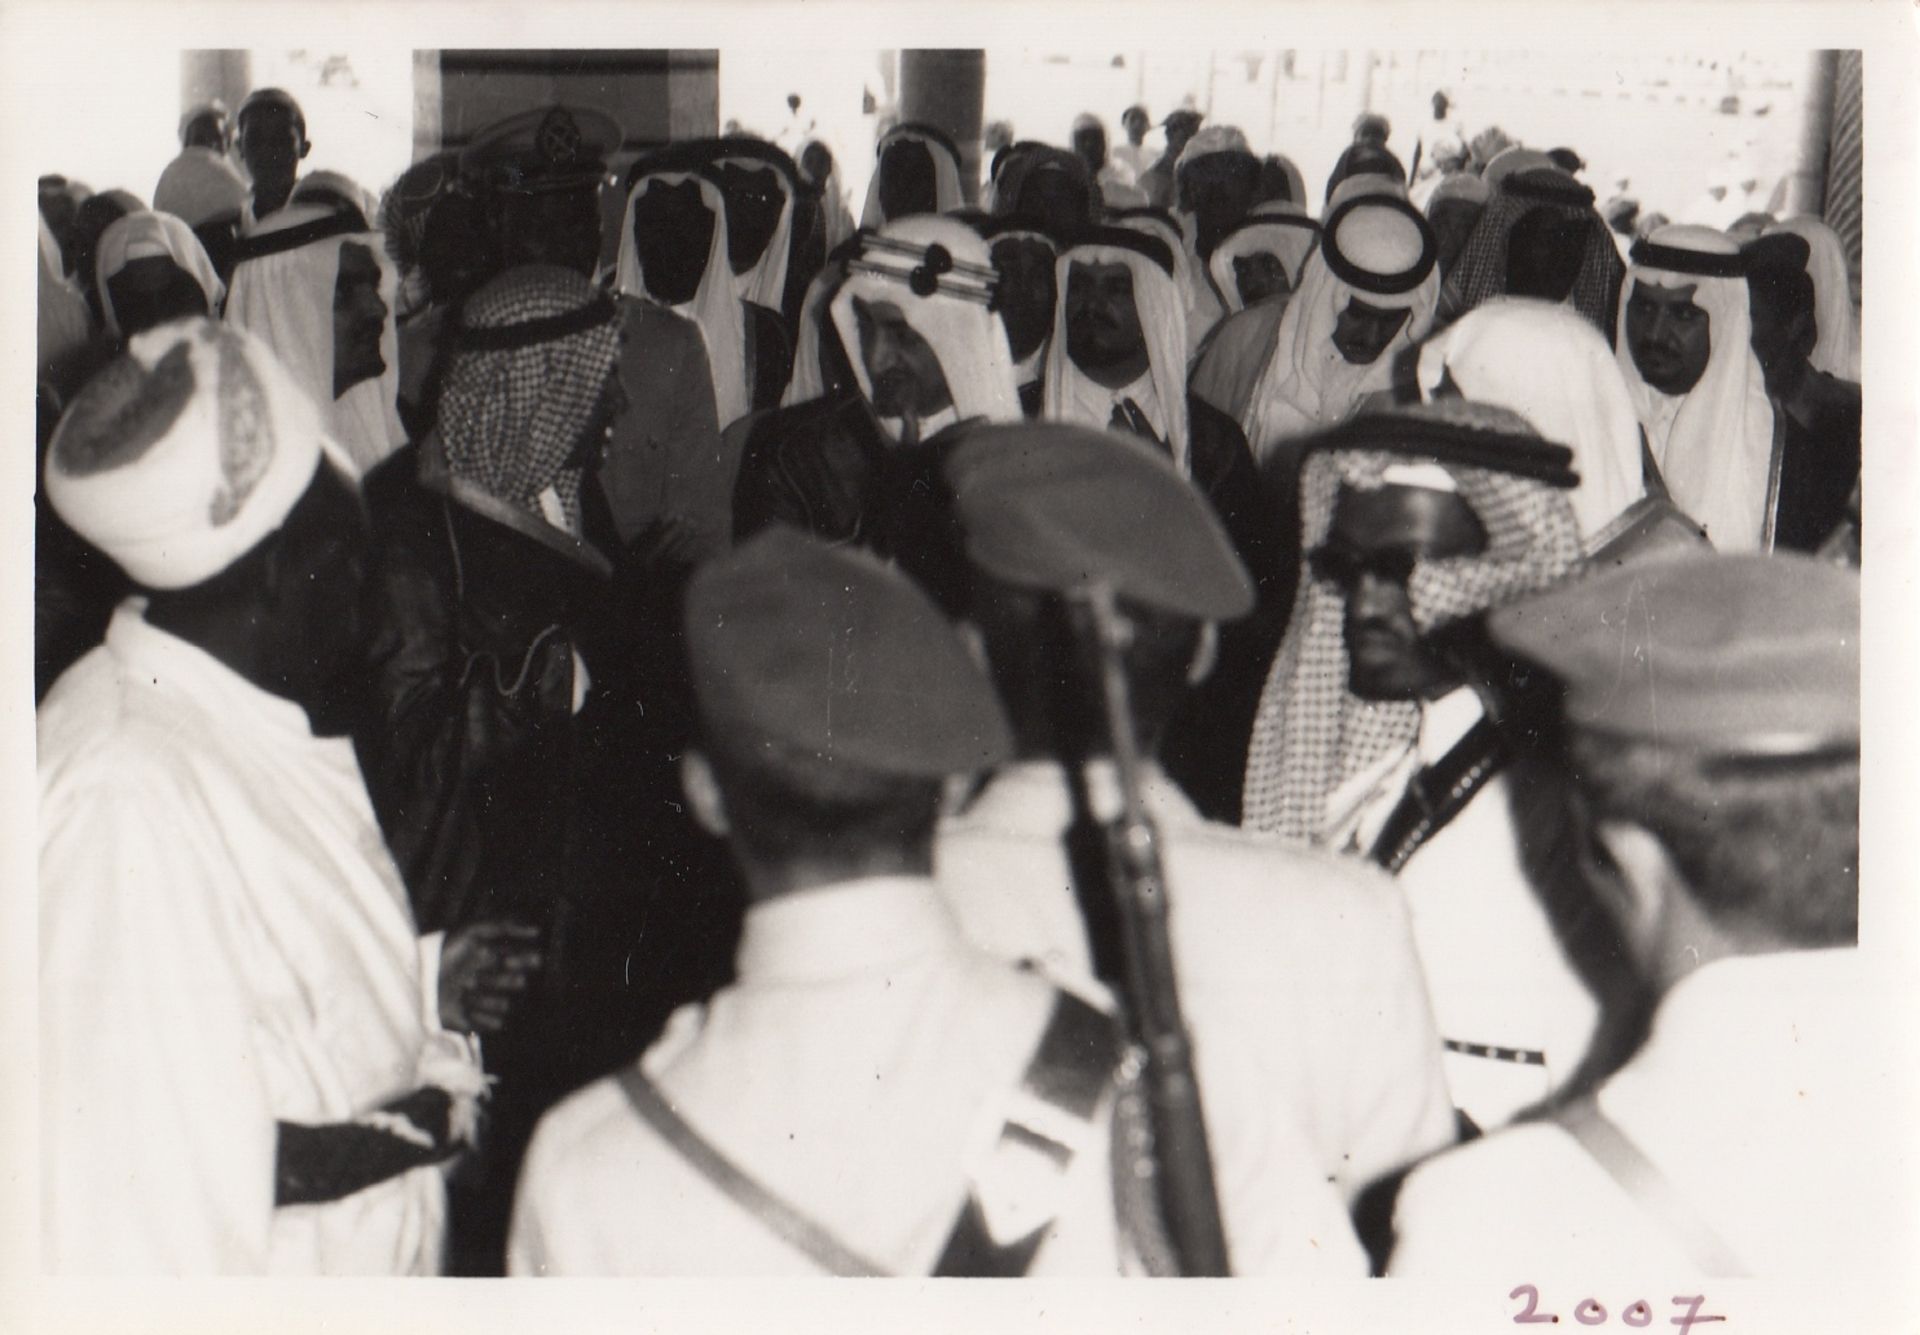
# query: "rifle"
{"points": [[1183, 1165]]}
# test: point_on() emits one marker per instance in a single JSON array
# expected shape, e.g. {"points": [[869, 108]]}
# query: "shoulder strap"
{"points": [[1650, 1188], [1013, 1194], [1438, 793], [793, 1227]]}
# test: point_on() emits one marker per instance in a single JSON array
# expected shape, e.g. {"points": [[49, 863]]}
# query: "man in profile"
{"points": [[1818, 414], [928, 353], [252, 1063]]}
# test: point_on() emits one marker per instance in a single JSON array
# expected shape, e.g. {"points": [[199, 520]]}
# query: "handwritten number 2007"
{"points": [[1591, 1313]]}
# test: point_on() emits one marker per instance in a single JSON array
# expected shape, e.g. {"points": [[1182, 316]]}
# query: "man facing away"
{"points": [[872, 1094], [1712, 719], [1296, 969], [251, 1062]]}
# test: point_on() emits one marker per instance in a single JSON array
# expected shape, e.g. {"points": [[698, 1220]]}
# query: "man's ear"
{"points": [[976, 645], [703, 794], [1206, 654], [1639, 881]]}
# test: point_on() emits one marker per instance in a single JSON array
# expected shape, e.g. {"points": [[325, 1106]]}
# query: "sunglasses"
{"points": [[1342, 566]]}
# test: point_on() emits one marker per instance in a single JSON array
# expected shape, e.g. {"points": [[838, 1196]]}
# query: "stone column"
{"points": [[205, 75], [946, 89]]}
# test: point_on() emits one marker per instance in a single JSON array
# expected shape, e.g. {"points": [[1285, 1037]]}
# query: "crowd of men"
{"points": [[700, 751]]}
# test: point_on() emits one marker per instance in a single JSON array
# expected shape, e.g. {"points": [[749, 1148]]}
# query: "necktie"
{"points": [[1127, 416]]}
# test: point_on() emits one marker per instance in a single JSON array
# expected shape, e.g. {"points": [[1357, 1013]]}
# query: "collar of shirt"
{"points": [[1033, 366], [853, 927], [144, 650], [1089, 401], [1728, 1023], [1036, 797], [893, 427], [1358, 808]]}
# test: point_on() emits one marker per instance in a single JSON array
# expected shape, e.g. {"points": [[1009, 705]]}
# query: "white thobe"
{"points": [[225, 943], [855, 1068]]}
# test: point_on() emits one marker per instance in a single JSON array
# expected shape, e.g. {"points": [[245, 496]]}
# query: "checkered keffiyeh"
{"points": [[1481, 272], [1311, 733], [512, 418]]}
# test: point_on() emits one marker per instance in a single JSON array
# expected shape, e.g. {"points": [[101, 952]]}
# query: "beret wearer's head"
{"points": [[1059, 507], [1721, 655], [836, 661]]}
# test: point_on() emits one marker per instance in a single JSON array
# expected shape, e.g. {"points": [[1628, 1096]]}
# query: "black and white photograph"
{"points": [[723, 649]]}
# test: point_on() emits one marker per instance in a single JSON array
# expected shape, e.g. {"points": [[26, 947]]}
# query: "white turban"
{"points": [[149, 235], [1837, 351], [946, 174], [1281, 229], [199, 187], [182, 455], [1387, 246], [716, 304], [1162, 320], [285, 298], [1715, 443], [1547, 363], [951, 315]]}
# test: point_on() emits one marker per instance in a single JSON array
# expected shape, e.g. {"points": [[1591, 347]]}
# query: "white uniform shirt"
{"points": [[1296, 970], [1495, 968], [855, 1068], [1766, 1094], [858, 1056], [225, 943]]}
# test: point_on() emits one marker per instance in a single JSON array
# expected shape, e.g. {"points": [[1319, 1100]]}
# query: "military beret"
{"points": [[1054, 506], [1724, 655], [836, 661], [545, 149], [1456, 431]]}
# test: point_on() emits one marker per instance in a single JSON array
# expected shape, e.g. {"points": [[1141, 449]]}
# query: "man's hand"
{"points": [[484, 969]]}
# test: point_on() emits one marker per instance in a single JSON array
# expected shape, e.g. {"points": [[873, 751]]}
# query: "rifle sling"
{"points": [[1438, 793], [1013, 1195], [1650, 1189], [1050, 1117]]}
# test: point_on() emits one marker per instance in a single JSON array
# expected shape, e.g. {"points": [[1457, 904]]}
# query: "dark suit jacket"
{"points": [[665, 456], [1819, 461]]}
